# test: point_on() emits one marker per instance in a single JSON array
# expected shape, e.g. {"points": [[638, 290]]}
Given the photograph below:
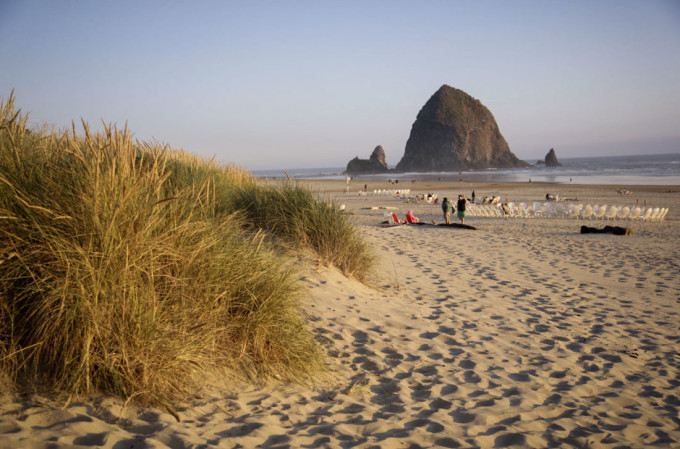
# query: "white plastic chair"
{"points": [[635, 213], [546, 210], [537, 209], [574, 210], [655, 213], [648, 213], [601, 211], [662, 214], [523, 211], [623, 212], [514, 210], [587, 212], [531, 212], [611, 213]]}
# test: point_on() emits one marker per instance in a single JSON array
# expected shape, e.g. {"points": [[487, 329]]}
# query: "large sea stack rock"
{"points": [[375, 164], [454, 132], [551, 159]]}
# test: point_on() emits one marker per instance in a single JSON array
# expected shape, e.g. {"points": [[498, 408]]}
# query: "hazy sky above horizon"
{"points": [[296, 84]]}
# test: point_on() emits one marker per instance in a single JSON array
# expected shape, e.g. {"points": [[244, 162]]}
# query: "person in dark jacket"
{"points": [[447, 208], [462, 202]]}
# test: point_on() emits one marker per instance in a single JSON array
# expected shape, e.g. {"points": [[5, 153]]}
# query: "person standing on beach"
{"points": [[447, 208], [461, 208], [473, 197]]}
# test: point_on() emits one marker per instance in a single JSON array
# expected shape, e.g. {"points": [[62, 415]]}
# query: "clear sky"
{"points": [[296, 84]]}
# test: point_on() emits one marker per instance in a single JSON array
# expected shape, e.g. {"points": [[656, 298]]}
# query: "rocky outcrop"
{"points": [[551, 159], [378, 157], [375, 164], [454, 132]]}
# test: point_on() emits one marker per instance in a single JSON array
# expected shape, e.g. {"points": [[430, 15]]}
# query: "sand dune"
{"points": [[522, 333]]}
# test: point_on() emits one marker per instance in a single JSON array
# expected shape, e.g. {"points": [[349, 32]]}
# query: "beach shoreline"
{"points": [[521, 333], [357, 185]]}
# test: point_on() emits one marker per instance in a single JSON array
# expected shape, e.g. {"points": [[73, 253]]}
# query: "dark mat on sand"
{"points": [[456, 225], [452, 225], [616, 230]]}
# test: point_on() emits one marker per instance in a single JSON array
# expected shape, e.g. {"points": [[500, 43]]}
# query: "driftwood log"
{"points": [[616, 230]]}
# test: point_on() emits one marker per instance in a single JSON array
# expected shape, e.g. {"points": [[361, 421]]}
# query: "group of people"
{"points": [[491, 200], [447, 208]]}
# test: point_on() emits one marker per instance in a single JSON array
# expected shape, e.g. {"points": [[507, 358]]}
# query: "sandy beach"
{"points": [[521, 333]]}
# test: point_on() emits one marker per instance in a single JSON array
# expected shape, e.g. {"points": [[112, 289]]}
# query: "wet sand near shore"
{"points": [[339, 186]]}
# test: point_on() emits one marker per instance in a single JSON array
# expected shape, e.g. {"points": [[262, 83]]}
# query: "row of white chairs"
{"points": [[514, 210], [483, 210], [400, 192], [605, 212], [574, 210]]}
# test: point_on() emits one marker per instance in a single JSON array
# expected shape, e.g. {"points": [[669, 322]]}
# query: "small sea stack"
{"points": [[551, 159], [374, 164]]}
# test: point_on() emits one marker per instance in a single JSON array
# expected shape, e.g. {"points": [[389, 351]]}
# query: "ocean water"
{"points": [[656, 169]]}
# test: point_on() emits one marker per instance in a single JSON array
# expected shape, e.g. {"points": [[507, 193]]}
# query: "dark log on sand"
{"points": [[616, 230]]}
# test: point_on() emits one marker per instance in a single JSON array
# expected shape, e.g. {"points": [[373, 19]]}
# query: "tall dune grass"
{"points": [[293, 212], [124, 270]]}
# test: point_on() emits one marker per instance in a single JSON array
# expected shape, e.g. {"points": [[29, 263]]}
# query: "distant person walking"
{"points": [[447, 208], [461, 208], [473, 197]]}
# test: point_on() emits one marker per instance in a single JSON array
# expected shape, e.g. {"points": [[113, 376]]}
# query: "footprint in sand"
{"points": [[509, 439], [462, 416]]}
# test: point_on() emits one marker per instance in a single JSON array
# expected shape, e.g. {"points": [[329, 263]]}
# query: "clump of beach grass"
{"points": [[123, 269], [294, 213]]}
